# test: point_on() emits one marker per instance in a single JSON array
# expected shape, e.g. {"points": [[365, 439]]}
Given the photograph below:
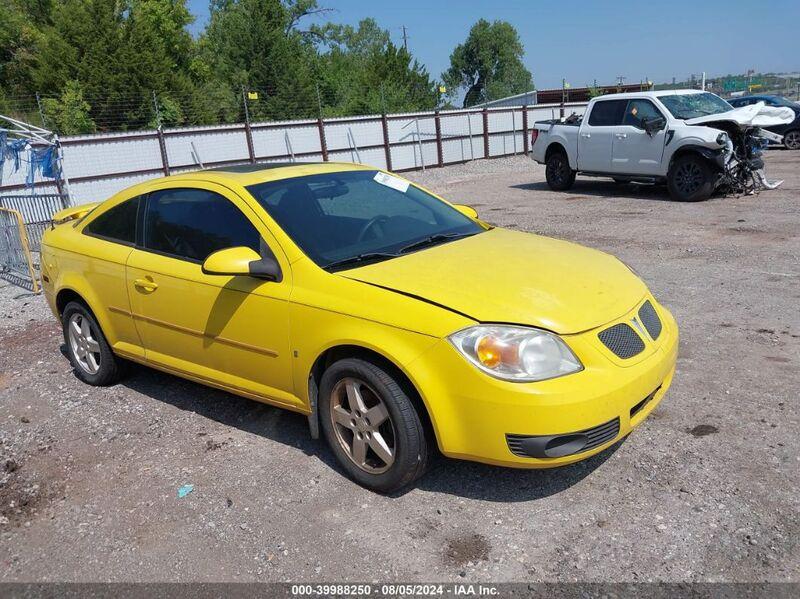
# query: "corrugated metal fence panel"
{"points": [[212, 147], [115, 161], [283, 141], [86, 192], [107, 155]]}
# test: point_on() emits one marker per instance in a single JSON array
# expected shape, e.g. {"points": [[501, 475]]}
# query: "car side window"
{"points": [[607, 113], [192, 224], [638, 110], [117, 224]]}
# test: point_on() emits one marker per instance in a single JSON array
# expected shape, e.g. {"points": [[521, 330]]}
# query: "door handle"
{"points": [[586, 134], [621, 135], [145, 284]]}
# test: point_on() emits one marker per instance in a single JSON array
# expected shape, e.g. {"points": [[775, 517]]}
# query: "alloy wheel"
{"points": [[557, 170], [688, 178], [792, 140], [362, 425], [83, 343]]}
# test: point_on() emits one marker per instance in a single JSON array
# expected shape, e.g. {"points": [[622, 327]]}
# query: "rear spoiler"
{"points": [[73, 213]]}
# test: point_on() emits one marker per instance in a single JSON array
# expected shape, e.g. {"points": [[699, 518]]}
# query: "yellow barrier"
{"points": [[15, 252]]}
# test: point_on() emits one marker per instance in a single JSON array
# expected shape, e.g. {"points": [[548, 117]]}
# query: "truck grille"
{"points": [[650, 320], [622, 340]]}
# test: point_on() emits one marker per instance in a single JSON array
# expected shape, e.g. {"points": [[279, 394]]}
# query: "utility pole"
{"points": [[405, 38], [620, 80]]}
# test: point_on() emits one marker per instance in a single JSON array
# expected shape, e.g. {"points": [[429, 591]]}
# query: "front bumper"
{"points": [[476, 417]]}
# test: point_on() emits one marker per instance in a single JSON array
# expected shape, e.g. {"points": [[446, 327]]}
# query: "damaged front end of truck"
{"points": [[743, 140]]}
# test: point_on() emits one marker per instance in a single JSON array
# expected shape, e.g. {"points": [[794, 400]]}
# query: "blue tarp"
{"points": [[42, 160]]}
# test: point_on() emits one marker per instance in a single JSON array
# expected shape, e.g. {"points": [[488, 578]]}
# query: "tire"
{"points": [[791, 139], [559, 175], [396, 426], [690, 179], [89, 353]]}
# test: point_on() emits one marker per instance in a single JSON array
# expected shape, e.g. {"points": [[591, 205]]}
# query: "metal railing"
{"points": [[16, 262], [36, 211]]}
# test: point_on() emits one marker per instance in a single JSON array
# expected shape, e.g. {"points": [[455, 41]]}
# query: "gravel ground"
{"points": [[706, 489]]}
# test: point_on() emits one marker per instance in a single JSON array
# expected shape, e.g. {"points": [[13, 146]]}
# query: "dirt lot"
{"points": [[708, 488]]}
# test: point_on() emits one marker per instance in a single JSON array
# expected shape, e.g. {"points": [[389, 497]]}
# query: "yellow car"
{"points": [[394, 320]]}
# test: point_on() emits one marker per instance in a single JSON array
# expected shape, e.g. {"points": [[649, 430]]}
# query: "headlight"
{"points": [[516, 353]]}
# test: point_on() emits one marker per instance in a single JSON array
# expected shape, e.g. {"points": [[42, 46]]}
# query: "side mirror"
{"points": [[466, 210], [242, 261], [654, 124]]}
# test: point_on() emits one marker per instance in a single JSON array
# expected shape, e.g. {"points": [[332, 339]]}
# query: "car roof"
{"points": [[649, 94], [251, 174]]}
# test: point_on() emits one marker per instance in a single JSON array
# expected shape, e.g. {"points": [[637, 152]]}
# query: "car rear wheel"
{"points": [[559, 175], [690, 179], [91, 356], [372, 425], [792, 140]]}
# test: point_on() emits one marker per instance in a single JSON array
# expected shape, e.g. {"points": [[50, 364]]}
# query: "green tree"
{"points": [[488, 65], [363, 72], [255, 44], [69, 114]]}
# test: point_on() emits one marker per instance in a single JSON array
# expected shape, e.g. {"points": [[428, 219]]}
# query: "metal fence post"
{"points": [[387, 148], [525, 140], [485, 132], [248, 132], [439, 154], [162, 146], [322, 143]]}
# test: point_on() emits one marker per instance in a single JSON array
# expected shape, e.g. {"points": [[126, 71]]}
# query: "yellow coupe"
{"points": [[394, 320]]}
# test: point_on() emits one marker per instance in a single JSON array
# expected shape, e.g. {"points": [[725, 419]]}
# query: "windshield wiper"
{"points": [[366, 257], [433, 240]]}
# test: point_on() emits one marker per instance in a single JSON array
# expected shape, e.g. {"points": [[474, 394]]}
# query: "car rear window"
{"points": [[607, 113], [117, 224]]}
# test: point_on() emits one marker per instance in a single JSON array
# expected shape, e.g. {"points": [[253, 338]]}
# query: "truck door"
{"points": [[597, 133], [636, 151]]}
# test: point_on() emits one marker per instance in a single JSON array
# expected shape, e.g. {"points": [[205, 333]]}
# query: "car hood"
{"points": [[755, 115], [512, 277]]}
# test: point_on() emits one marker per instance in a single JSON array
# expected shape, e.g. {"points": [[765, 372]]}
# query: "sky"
{"points": [[584, 40]]}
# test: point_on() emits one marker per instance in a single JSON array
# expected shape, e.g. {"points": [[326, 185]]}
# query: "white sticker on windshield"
{"points": [[393, 182]]}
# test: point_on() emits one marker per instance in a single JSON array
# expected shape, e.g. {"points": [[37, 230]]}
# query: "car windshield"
{"points": [[690, 106], [781, 101], [348, 218]]}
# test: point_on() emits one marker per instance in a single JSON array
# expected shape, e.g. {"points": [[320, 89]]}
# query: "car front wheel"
{"points": [[690, 179], [89, 352], [559, 175], [372, 425]]}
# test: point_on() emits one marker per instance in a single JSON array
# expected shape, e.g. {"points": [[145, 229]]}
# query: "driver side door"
{"points": [[634, 151], [229, 331]]}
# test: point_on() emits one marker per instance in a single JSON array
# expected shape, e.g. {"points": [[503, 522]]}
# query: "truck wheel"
{"points": [[690, 179], [559, 175], [792, 140]]}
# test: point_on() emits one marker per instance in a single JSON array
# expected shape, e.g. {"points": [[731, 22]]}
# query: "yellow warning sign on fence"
{"points": [[252, 95]]}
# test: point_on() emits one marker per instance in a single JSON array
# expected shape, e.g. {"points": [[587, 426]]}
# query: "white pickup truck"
{"points": [[693, 141]]}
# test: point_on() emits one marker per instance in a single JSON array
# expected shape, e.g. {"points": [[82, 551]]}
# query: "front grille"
{"points": [[544, 446], [622, 340], [650, 320]]}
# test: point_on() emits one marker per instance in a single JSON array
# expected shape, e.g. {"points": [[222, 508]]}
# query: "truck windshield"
{"points": [[690, 106]]}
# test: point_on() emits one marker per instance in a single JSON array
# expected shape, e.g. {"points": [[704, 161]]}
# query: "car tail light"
{"points": [[534, 135]]}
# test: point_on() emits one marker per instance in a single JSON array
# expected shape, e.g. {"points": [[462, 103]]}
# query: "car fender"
{"points": [[714, 156], [73, 281]]}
